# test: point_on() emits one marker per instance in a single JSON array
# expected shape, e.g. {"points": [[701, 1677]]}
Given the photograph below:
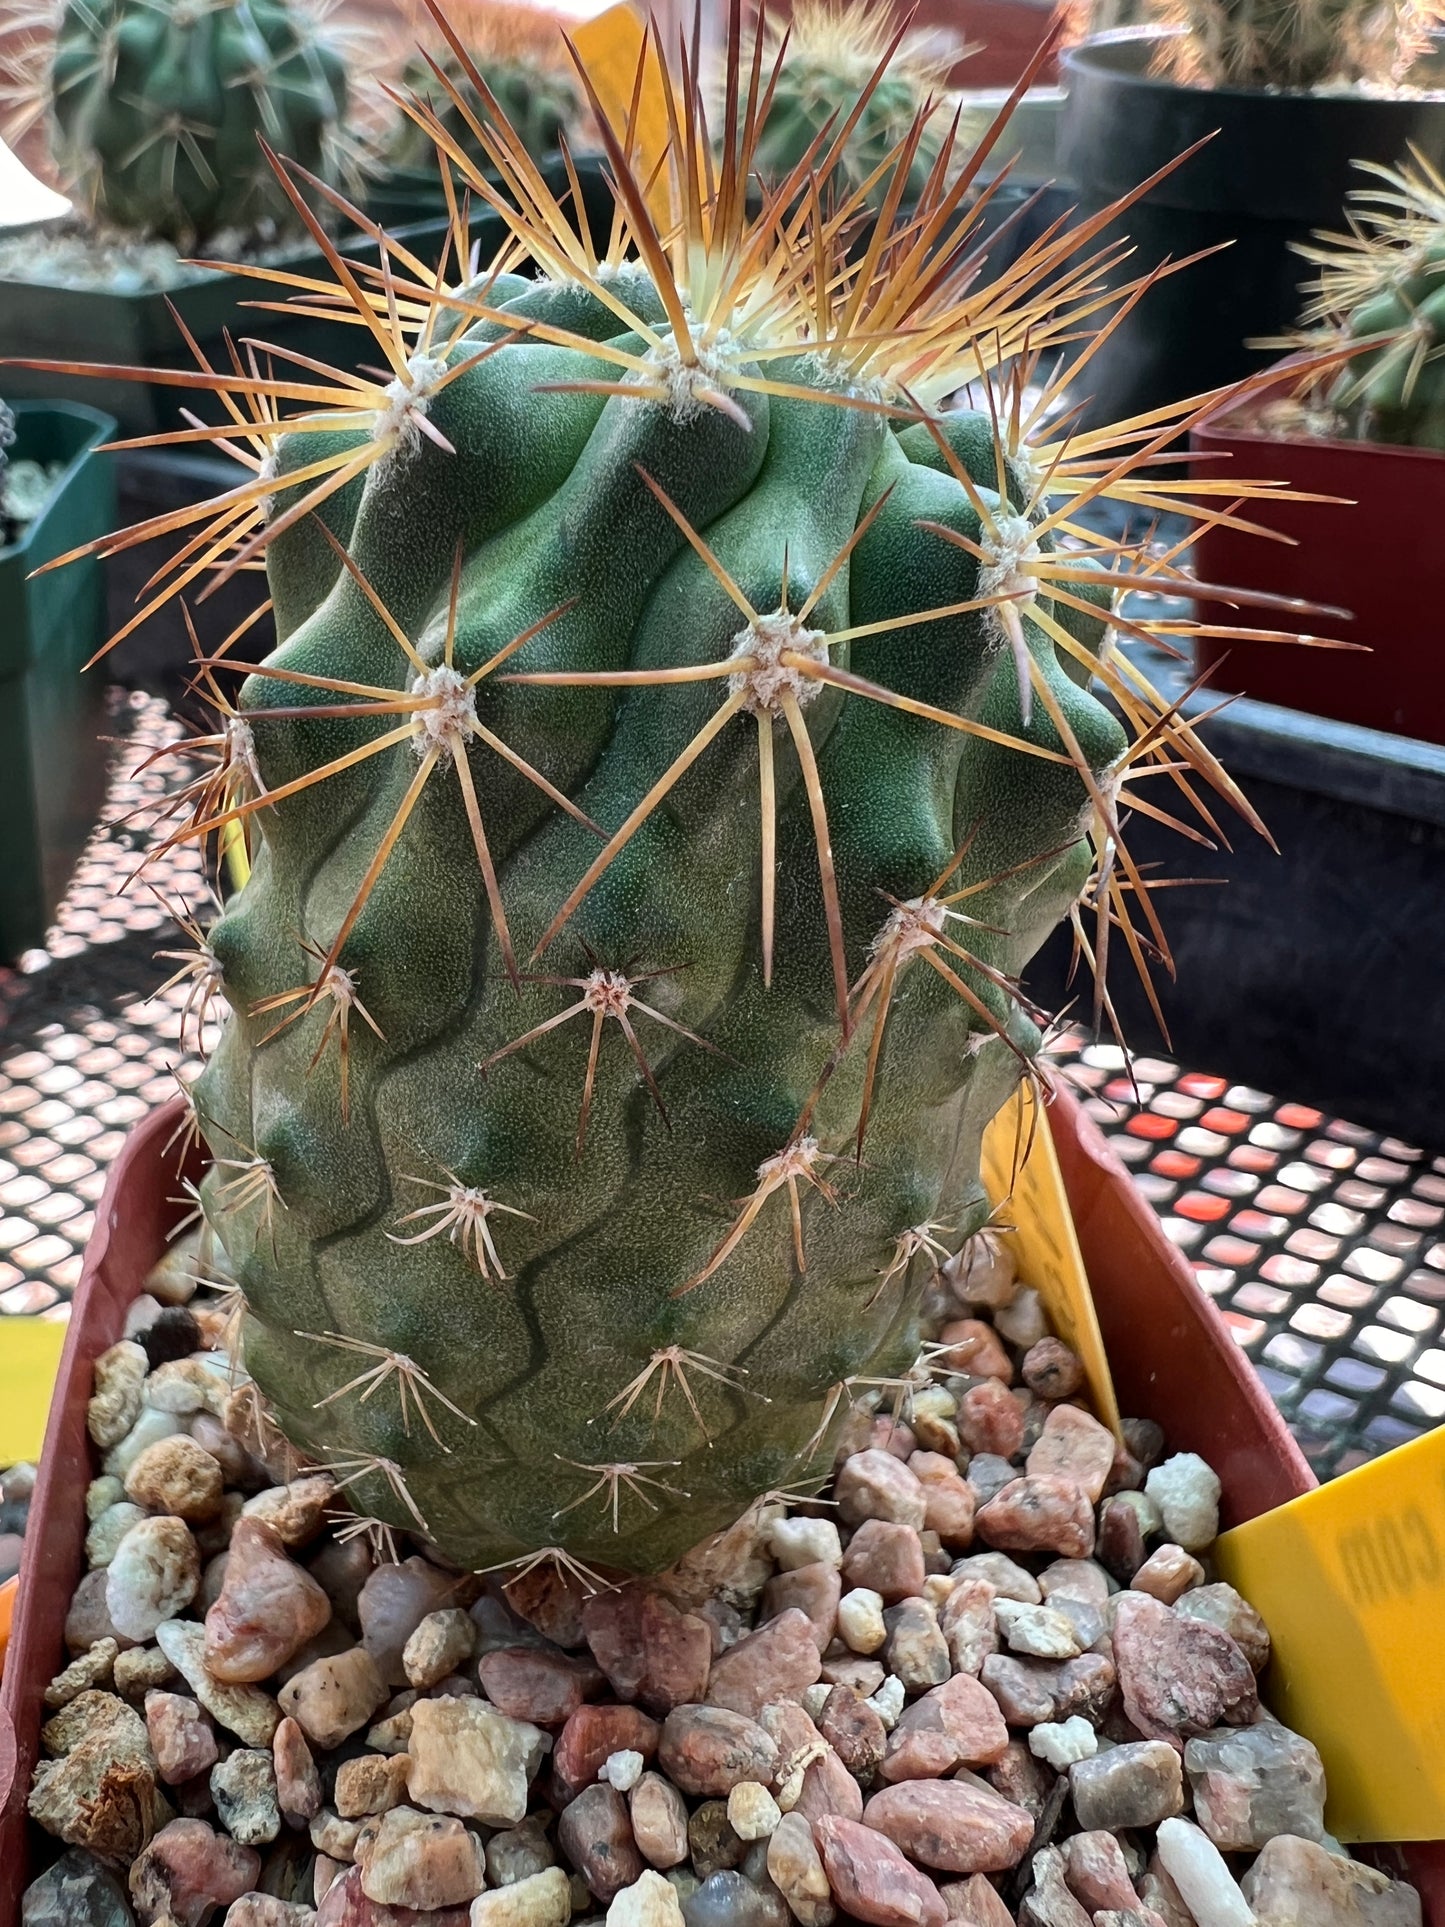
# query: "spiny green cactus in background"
{"points": [[157, 106], [1289, 44], [826, 61], [683, 731], [520, 54], [1382, 285]]}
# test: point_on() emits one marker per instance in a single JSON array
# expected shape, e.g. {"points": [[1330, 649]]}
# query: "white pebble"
{"points": [[149, 1429], [1023, 1322], [860, 1620], [622, 1769], [1061, 1742], [805, 1542], [1186, 1492], [753, 1813], [649, 1902], [100, 1495], [814, 1698], [1198, 1870], [106, 1533], [1041, 1632], [888, 1701], [1151, 1519]]}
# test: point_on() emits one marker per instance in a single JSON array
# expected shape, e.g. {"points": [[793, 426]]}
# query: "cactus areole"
{"points": [[684, 728]]}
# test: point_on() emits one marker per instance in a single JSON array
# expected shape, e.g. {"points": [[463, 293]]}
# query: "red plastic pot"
{"points": [[1172, 1355], [1376, 552]]}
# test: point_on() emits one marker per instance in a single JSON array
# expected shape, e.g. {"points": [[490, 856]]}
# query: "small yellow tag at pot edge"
{"points": [[29, 1359], [610, 47], [1350, 1580], [1030, 1199]]}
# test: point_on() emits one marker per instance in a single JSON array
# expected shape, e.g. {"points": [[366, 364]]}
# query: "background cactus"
{"points": [[157, 107], [1294, 44], [682, 732], [1382, 286], [826, 59], [519, 53]]}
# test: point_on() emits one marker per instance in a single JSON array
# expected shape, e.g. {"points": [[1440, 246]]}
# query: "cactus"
{"points": [[827, 66], [158, 110], [520, 55], [1288, 44], [1378, 302], [683, 730]]}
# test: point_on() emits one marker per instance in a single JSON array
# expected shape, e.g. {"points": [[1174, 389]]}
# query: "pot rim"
{"points": [[1230, 423]]}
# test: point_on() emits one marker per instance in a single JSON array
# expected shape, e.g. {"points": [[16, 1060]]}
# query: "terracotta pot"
{"points": [[1173, 1360], [1374, 550]]}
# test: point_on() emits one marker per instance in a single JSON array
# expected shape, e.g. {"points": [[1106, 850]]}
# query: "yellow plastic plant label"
{"points": [[1350, 1580], [1031, 1208], [610, 47], [29, 1359]]}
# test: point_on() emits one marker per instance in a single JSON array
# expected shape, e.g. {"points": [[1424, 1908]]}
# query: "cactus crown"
{"points": [[683, 730], [843, 70], [1291, 44], [157, 109]]}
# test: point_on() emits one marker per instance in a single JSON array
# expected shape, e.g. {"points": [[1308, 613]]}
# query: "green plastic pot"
{"points": [[52, 769]]}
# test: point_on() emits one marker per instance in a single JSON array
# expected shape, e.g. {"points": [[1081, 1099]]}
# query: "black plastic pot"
{"points": [[1279, 167], [1314, 971]]}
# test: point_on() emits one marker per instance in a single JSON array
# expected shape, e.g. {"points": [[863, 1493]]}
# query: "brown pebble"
{"points": [[1075, 1447], [650, 1652], [975, 1348], [814, 1590], [1166, 1575], [975, 1902], [877, 1485], [871, 1880], [711, 1749], [778, 1661], [956, 1724], [960, 1826], [595, 1833], [1039, 1514], [991, 1420], [949, 1499], [591, 1736], [1178, 1676], [854, 1730], [886, 1558], [533, 1683], [713, 1845], [1051, 1370], [175, 1476]]}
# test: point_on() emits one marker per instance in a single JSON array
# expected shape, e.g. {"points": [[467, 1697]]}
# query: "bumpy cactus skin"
{"points": [[527, 1375], [157, 108], [1396, 392]]}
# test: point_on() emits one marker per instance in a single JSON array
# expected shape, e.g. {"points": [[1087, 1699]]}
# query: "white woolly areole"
{"points": [[793, 1161], [240, 751], [609, 991], [450, 707], [913, 926], [682, 380], [1010, 550], [406, 399], [764, 643], [339, 985]]}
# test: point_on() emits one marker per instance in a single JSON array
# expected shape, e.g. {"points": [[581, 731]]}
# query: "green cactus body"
{"points": [[683, 730], [598, 1282], [157, 109]]}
